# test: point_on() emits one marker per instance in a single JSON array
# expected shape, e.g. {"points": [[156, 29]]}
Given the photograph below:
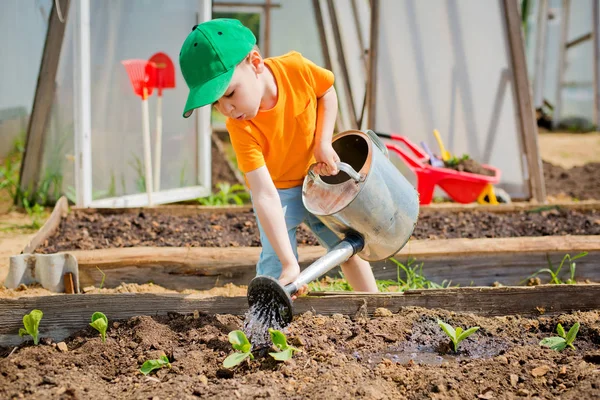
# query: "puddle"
{"points": [[406, 357]]}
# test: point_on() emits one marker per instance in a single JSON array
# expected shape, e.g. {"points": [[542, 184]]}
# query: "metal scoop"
{"points": [[265, 292]]}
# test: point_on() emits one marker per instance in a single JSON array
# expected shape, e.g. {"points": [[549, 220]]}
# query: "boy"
{"points": [[281, 113]]}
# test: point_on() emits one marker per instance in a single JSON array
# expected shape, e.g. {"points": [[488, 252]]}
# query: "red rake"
{"points": [[142, 75]]}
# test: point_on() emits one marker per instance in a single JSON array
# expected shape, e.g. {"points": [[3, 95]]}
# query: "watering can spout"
{"points": [[265, 291], [352, 244]]}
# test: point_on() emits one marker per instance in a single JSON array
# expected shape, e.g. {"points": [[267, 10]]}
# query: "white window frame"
{"points": [[83, 128]]}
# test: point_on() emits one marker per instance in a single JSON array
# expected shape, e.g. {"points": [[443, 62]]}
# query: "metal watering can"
{"points": [[369, 204]]}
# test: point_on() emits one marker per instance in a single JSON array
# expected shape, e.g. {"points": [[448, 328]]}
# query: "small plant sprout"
{"points": [[560, 342], [151, 365], [31, 322], [285, 350], [239, 342], [100, 323], [456, 335], [555, 272]]}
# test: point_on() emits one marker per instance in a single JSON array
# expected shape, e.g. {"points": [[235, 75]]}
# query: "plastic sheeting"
{"points": [[446, 66], [121, 30], [23, 27], [128, 29], [577, 93]]}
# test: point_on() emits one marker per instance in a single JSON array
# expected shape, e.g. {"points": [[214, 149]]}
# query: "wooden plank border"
{"points": [[512, 207], [525, 109], [65, 314], [60, 211], [462, 261], [190, 210]]}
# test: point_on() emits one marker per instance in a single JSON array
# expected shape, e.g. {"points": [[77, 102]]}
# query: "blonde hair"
{"points": [[255, 48]]}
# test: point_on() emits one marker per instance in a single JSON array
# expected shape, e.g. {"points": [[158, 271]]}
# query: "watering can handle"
{"points": [[378, 142], [342, 166]]}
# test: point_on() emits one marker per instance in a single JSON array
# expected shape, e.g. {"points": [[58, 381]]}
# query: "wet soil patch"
{"points": [[340, 358], [221, 171]]}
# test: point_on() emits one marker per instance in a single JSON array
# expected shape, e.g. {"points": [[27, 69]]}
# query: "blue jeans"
{"points": [[295, 213]]}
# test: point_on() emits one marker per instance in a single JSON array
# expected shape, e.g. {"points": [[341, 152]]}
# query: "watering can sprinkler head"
{"points": [[266, 292]]}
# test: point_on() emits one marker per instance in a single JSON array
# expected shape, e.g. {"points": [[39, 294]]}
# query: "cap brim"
{"points": [[207, 93]]}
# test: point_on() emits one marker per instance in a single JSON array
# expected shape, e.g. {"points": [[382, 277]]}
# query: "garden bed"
{"points": [[89, 230], [178, 247], [581, 182], [380, 353]]}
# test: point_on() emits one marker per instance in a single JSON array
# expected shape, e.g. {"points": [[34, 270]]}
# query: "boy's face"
{"points": [[243, 95]]}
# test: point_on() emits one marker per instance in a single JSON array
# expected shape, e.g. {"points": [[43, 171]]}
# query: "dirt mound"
{"points": [[582, 182], [392, 356], [87, 231]]}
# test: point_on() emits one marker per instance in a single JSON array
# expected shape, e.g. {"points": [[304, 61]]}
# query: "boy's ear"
{"points": [[256, 61]]}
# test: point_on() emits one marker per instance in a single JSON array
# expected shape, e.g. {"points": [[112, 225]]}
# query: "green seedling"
{"points": [[239, 342], [454, 161], [100, 323], [560, 342], [414, 278], [285, 350], [31, 322], [151, 365], [554, 273], [103, 277], [456, 335]]}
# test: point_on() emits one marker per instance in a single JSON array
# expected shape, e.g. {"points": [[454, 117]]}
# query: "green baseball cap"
{"points": [[208, 58]]}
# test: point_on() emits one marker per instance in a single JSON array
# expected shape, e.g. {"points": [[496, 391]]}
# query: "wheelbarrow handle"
{"points": [[412, 147]]}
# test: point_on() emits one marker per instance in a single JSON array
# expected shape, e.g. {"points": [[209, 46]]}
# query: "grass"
{"points": [[409, 276], [554, 272], [9, 191]]}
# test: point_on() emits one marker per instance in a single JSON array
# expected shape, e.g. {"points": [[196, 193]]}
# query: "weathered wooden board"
{"points": [[463, 261], [65, 314], [511, 207], [175, 267], [52, 223], [190, 210]]}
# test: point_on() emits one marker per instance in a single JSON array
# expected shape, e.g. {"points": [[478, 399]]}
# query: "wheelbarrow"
{"points": [[462, 187]]}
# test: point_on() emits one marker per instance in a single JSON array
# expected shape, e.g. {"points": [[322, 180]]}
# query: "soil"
{"points": [[89, 231], [579, 182], [35, 289], [14, 235], [567, 149], [389, 356], [221, 171], [470, 165], [546, 221]]}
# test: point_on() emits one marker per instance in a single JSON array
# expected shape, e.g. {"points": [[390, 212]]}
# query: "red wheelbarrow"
{"points": [[462, 187]]}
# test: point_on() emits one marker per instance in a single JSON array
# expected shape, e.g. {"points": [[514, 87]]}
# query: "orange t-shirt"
{"points": [[283, 137]]}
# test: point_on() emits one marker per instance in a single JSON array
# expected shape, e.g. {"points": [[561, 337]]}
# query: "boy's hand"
{"points": [[326, 160], [288, 275]]}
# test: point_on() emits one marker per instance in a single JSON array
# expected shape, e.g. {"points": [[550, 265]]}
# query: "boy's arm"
{"points": [[326, 157], [267, 205]]}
